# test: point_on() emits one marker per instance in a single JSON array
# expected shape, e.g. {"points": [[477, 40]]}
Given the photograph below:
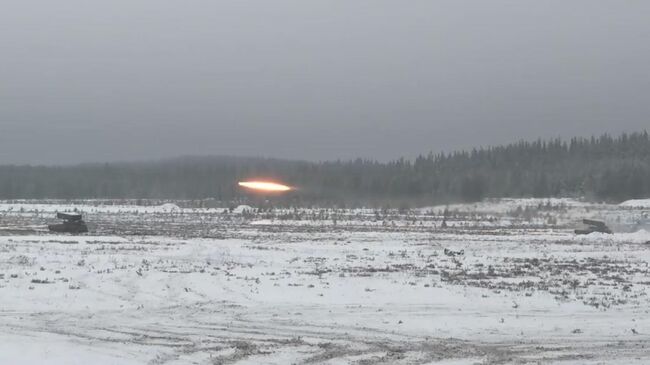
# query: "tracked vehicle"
{"points": [[72, 223]]}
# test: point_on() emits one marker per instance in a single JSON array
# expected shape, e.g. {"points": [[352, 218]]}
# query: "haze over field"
{"points": [[324, 182], [123, 80]]}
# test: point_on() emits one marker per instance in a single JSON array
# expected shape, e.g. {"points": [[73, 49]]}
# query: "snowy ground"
{"points": [[504, 282]]}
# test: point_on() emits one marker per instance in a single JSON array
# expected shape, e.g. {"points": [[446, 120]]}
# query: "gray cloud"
{"points": [[123, 79]]}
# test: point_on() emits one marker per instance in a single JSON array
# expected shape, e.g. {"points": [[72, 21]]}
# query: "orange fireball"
{"points": [[264, 186]]}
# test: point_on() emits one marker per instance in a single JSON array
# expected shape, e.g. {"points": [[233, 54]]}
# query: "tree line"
{"points": [[602, 168]]}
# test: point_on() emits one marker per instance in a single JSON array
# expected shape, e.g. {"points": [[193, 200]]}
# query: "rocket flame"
{"points": [[264, 186]]}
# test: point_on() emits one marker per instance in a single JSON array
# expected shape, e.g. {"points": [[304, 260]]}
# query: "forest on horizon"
{"points": [[603, 168]]}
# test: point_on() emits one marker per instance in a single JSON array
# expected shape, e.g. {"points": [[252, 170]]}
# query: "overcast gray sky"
{"points": [[85, 80]]}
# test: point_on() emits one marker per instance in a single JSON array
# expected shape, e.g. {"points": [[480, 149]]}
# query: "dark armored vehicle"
{"points": [[593, 226], [72, 223]]}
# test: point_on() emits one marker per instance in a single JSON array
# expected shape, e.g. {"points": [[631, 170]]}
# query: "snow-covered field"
{"points": [[501, 282]]}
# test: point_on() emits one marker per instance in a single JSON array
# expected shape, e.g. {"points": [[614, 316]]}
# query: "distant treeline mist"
{"points": [[603, 168]]}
